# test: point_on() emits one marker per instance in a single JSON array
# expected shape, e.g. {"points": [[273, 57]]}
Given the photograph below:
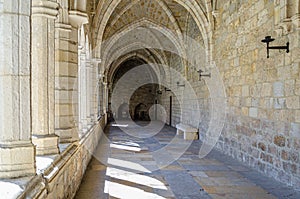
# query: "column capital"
{"points": [[47, 9], [77, 18]]}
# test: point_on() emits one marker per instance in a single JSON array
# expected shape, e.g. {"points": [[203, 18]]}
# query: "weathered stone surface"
{"points": [[280, 140]]}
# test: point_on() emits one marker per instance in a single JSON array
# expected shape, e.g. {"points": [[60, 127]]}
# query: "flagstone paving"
{"points": [[166, 166]]}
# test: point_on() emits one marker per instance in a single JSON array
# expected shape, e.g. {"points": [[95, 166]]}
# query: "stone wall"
{"points": [[262, 127]]}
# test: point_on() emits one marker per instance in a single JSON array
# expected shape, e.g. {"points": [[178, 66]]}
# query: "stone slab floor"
{"points": [[136, 162]]}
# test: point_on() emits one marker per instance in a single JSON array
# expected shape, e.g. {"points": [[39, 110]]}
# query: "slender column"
{"points": [[92, 90], [44, 13], [105, 97], [16, 149], [66, 77], [88, 92], [101, 95], [83, 92], [95, 89]]}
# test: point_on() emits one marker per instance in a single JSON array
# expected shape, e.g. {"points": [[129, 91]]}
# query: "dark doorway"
{"points": [[141, 112]]}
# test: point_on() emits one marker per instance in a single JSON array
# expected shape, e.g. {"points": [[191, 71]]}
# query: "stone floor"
{"points": [[137, 163]]}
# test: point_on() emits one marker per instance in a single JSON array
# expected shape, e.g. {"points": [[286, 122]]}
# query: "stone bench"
{"points": [[189, 133]]}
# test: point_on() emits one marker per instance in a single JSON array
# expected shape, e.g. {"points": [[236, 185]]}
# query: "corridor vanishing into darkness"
{"points": [[133, 172], [207, 67]]}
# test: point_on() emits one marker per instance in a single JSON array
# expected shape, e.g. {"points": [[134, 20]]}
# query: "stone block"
{"points": [[46, 144], [279, 103], [17, 161], [266, 90], [278, 89], [253, 112], [293, 102], [295, 130], [297, 116], [279, 140]]}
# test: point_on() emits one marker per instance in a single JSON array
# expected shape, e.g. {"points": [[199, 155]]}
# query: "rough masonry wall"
{"points": [[263, 120]]}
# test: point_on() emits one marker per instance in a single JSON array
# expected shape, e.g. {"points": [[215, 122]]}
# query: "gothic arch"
{"points": [[192, 7]]}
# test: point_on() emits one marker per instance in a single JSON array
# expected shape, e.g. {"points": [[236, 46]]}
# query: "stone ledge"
{"points": [[60, 175]]}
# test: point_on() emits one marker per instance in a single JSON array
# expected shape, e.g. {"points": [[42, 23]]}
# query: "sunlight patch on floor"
{"points": [[126, 192], [120, 125], [135, 178], [125, 147], [127, 164]]}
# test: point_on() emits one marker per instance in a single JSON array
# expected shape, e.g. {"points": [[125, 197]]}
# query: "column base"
{"points": [[67, 135], [46, 144], [17, 159]]}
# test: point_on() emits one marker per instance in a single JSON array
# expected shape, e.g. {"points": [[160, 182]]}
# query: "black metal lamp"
{"points": [[269, 39], [166, 89], [180, 85], [203, 75]]}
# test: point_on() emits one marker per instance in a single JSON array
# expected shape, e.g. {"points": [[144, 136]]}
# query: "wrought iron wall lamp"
{"points": [[166, 89], [203, 75], [269, 39], [180, 85]]}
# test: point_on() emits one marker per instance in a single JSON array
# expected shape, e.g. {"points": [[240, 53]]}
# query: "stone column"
{"points": [[44, 13], [83, 92], [101, 95], [88, 92], [66, 77], [95, 89], [17, 156], [105, 97]]}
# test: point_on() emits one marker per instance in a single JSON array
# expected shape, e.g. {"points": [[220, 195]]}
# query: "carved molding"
{"points": [[63, 27], [47, 9]]}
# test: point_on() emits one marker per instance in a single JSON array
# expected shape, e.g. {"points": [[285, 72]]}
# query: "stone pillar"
{"points": [[95, 89], [101, 95], [17, 156], [105, 97], [88, 92], [83, 92], [66, 77], [44, 13]]}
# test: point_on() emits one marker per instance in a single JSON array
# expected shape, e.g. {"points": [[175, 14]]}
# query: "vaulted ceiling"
{"points": [[122, 27]]}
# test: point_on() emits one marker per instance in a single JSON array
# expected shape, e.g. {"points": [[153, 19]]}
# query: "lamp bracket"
{"points": [[269, 39], [180, 85], [203, 75]]}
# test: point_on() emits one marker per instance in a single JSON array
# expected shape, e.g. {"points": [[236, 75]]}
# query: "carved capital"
{"points": [[77, 18], [284, 27], [296, 21]]}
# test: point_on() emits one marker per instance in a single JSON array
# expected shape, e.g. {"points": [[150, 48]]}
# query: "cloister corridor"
{"points": [[143, 99]]}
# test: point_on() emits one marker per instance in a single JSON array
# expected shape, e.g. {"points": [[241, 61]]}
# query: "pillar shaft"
{"points": [[66, 77], [105, 98], [83, 93], [42, 81], [16, 149], [88, 92]]}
